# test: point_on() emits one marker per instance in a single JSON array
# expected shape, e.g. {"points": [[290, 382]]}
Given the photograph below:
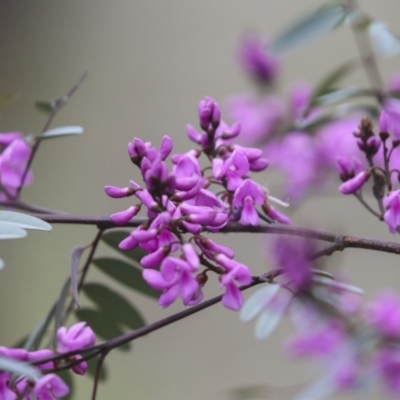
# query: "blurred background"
{"points": [[149, 63]]}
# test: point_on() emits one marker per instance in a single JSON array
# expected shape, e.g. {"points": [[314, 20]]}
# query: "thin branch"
{"points": [[21, 205], [361, 199], [97, 375], [234, 227], [92, 351], [45, 128]]}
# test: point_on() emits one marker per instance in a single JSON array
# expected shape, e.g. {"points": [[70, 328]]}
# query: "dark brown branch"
{"points": [[92, 351]]}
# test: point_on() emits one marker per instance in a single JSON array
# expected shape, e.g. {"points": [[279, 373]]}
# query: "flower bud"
{"points": [[353, 185]]}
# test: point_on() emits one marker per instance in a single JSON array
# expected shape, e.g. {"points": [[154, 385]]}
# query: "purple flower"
{"points": [[391, 202], [387, 362], [318, 342], [259, 118], [16, 354], [384, 314], [248, 194], [77, 337], [5, 392], [49, 387], [123, 217], [233, 298], [40, 354], [255, 60], [353, 185], [13, 161], [293, 256], [235, 168], [209, 113], [389, 119], [175, 278]]}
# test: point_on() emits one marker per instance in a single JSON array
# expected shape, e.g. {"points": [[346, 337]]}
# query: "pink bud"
{"points": [[122, 217], [153, 260], [354, 184], [128, 244], [166, 147], [116, 192], [259, 165]]}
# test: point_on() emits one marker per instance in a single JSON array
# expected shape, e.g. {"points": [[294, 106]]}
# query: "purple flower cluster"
{"points": [[49, 386], [178, 200], [14, 155]]}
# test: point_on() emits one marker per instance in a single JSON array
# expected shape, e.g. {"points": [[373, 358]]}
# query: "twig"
{"points": [[92, 351], [98, 370], [45, 128]]}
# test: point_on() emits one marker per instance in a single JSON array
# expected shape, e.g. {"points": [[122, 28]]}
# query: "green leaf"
{"points": [[26, 221], [309, 28], [19, 368], [34, 339], [61, 131], [68, 377], [258, 301], [11, 231], [100, 324], [126, 274], [74, 267], [115, 306], [386, 44], [92, 365], [114, 238], [60, 305], [328, 84], [342, 95], [48, 106]]}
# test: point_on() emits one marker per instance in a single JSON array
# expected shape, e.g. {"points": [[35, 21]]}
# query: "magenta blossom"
{"points": [[235, 168], [6, 393], [387, 363], [77, 337], [13, 162], [391, 202], [389, 120], [254, 59], [247, 195], [384, 314], [233, 298], [176, 278]]}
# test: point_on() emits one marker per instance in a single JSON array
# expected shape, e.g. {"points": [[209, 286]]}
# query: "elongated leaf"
{"points": [[337, 285], [68, 377], [104, 328], [74, 264], [385, 42], [61, 131], [60, 309], [92, 365], [48, 106], [311, 27], [24, 220], [11, 231], [19, 368], [34, 339], [113, 305], [257, 301], [342, 94], [1, 264], [126, 274], [114, 238], [328, 84]]}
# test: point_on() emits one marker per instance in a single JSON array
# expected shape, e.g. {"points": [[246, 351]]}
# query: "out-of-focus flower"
{"points": [[13, 162], [387, 363], [254, 59], [389, 120], [391, 203], [384, 314], [6, 393]]}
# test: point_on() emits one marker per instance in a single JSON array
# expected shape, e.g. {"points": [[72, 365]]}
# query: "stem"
{"points": [[53, 113], [367, 55], [98, 370], [137, 333], [360, 198]]}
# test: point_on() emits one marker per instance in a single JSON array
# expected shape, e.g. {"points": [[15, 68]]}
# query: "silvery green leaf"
{"points": [[314, 25], [1, 264], [267, 322], [337, 285], [342, 94], [385, 42], [74, 264], [257, 301], [11, 231], [19, 368], [24, 220], [61, 131], [317, 390]]}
